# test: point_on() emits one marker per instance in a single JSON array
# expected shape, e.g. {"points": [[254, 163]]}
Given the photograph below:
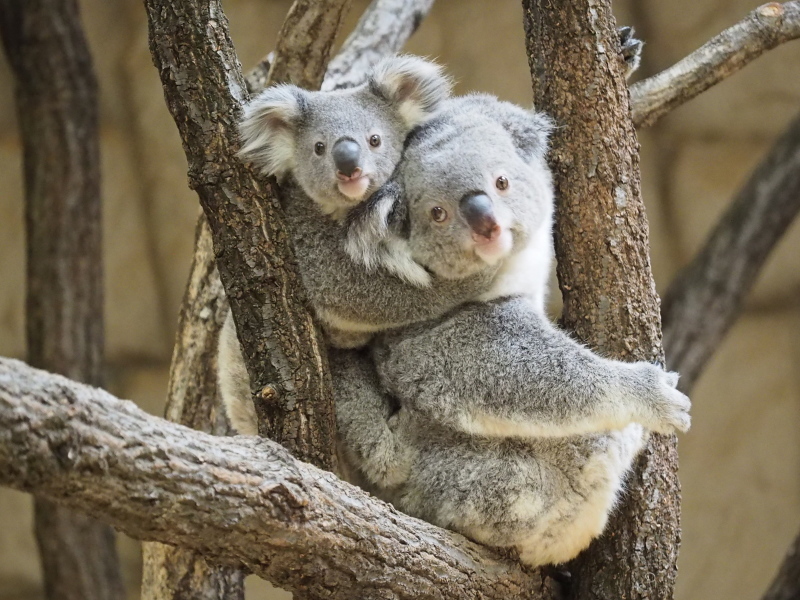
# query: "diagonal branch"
{"points": [[766, 27], [242, 501], [786, 585], [705, 299]]}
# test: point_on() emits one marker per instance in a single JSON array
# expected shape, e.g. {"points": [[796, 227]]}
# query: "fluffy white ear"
{"points": [[268, 128], [416, 86]]}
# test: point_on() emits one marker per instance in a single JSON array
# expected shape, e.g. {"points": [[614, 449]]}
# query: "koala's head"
{"points": [[471, 189], [340, 146]]}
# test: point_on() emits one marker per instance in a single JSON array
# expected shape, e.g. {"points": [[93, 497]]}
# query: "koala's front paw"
{"points": [[631, 49], [669, 408]]}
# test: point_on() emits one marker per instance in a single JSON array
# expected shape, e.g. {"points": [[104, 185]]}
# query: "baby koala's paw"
{"points": [[669, 407]]}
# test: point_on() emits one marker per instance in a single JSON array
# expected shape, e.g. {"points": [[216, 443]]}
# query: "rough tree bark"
{"points": [[283, 351], [169, 572], [705, 299], [766, 27], [242, 501], [56, 97], [602, 248]]}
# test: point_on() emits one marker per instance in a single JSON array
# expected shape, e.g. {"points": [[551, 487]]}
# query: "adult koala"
{"points": [[488, 420]]}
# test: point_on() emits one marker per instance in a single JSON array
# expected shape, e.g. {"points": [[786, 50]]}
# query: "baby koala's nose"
{"points": [[478, 210], [346, 156]]}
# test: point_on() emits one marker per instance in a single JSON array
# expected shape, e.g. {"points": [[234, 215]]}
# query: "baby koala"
{"points": [[488, 420]]}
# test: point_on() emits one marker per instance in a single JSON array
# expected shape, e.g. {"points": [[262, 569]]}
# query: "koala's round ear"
{"points": [[415, 86], [530, 131], [369, 224], [268, 126]]}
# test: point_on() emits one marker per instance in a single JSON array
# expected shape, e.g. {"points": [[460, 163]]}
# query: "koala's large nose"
{"points": [[478, 210], [346, 156]]}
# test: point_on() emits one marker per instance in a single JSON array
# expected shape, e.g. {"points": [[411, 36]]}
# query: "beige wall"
{"points": [[740, 465]]}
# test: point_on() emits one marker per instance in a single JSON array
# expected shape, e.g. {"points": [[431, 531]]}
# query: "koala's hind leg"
{"points": [[373, 433], [234, 381]]}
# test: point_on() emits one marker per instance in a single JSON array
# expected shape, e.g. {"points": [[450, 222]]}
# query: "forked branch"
{"points": [[766, 27]]}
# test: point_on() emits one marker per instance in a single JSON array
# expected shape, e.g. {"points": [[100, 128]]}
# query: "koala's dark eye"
{"points": [[438, 214], [501, 183], [319, 148], [375, 140]]}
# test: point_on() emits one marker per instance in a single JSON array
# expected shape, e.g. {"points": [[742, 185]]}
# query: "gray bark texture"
{"points": [[705, 299], [602, 247], [56, 98], [170, 572], [285, 357], [786, 585], [242, 501], [766, 27]]}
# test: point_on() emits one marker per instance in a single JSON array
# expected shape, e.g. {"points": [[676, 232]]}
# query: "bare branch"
{"points": [[704, 300], [242, 500], [786, 585], [305, 42], [382, 30], [766, 27], [57, 104]]}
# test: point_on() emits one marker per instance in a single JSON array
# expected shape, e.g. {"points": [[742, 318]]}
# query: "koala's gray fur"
{"points": [[491, 422]]}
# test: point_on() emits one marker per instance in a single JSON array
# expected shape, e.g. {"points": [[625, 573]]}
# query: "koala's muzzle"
{"points": [[346, 157], [478, 210]]}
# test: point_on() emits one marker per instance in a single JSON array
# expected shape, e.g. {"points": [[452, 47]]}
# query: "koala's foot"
{"points": [[669, 407], [631, 49]]}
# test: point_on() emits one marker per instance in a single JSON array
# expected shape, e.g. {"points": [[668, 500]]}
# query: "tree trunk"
{"points": [[602, 248], [56, 94], [170, 572]]}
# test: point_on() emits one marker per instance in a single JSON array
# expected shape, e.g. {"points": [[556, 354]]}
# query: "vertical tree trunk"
{"points": [[173, 573], [56, 96], [604, 270]]}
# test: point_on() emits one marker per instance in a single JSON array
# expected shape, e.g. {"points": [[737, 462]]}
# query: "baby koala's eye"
{"points": [[319, 148], [375, 140], [438, 214], [501, 183]]}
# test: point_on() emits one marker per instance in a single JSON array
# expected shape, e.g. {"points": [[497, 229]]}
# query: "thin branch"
{"points": [[705, 299], [243, 500], [766, 27], [786, 585], [57, 104], [305, 42], [382, 30]]}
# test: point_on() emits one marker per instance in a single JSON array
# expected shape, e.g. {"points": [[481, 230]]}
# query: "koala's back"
{"points": [[346, 295], [548, 498]]}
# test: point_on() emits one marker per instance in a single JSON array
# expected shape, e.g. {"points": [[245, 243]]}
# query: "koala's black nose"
{"points": [[478, 211], [346, 156]]}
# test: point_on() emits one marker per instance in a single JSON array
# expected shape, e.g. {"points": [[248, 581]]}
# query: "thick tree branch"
{"points": [[56, 94], [204, 89], [704, 300], [382, 30], [786, 585], [766, 27], [240, 500], [169, 572], [604, 271], [305, 42]]}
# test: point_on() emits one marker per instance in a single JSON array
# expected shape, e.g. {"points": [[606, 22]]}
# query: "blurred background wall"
{"points": [[740, 465]]}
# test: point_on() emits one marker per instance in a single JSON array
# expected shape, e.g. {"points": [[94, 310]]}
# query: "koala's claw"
{"points": [[672, 406], [630, 48]]}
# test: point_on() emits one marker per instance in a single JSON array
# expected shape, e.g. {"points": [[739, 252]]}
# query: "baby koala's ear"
{"points": [[530, 131], [415, 86], [268, 127]]}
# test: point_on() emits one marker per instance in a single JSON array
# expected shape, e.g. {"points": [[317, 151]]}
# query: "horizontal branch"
{"points": [[704, 300], [241, 500], [766, 27]]}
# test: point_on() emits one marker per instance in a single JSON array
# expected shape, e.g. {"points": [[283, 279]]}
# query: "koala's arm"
{"points": [[372, 432], [501, 369], [234, 381]]}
